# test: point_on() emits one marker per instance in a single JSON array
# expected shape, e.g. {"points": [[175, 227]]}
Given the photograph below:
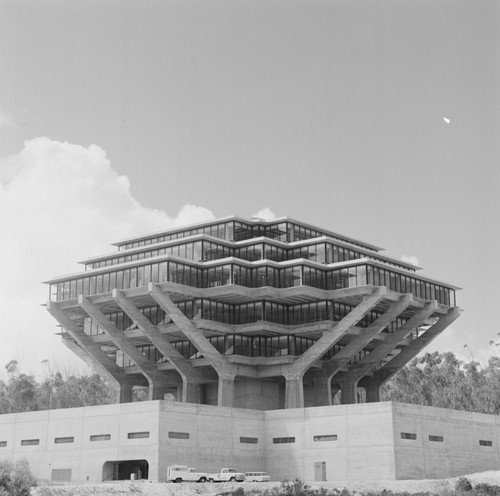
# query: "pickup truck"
{"points": [[179, 473], [227, 475]]}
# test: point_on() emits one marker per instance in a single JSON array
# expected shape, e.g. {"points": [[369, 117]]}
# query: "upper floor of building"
{"points": [[251, 253]]}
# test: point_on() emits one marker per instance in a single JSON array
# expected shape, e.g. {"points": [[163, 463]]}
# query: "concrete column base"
{"points": [[191, 392], [372, 387], [225, 392], [156, 391], [322, 391], [125, 392], [349, 394], [294, 392]]}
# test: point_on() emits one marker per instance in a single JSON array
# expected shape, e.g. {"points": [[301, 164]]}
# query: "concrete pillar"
{"points": [[372, 387], [225, 392], [156, 390], [349, 394], [322, 391], [294, 392], [190, 392], [125, 392]]}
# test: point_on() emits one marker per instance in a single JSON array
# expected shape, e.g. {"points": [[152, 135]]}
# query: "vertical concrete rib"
{"points": [[147, 368]]}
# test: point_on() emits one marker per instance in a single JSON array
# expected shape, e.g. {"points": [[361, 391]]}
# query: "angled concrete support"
{"points": [[122, 387], [83, 344], [294, 373], [148, 369], [330, 337], [190, 377], [188, 328], [371, 361], [416, 345], [367, 335], [225, 370]]}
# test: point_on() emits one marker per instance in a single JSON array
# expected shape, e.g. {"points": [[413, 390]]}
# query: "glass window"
{"points": [[30, 442], [325, 437], [483, 442], [126, 279], [105, 283], [99, 283], [283, 440], [64, 440], [408, 435], [436, 439], [133, 277], [249, 440], [178, 435], [138, 435]]}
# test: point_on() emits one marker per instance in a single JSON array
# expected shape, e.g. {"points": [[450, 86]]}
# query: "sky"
{"points": [[376, 119]]}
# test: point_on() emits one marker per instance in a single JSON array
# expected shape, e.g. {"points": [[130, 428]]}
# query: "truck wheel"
{"points": [[178, 480], [203, 479], [210, 480], [232, 479]]}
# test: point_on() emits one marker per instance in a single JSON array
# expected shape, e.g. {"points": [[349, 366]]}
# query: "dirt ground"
{"points": [[189, 489]]}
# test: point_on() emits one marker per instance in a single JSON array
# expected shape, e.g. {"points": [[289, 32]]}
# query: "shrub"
{"points": [[463, 485], [16, 479], [239, 491], [483, 489]]}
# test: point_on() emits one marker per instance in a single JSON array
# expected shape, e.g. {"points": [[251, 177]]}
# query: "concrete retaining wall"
{"points": [[348, 442]]}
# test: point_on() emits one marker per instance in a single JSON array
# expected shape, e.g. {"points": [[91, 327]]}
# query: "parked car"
{"points": [[257, 477], [227, 475]]}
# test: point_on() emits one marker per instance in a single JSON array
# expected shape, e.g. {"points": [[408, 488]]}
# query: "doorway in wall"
{"points": [[320, 471], [125, 470]]}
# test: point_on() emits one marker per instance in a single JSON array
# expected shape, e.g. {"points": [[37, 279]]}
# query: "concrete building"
{"points": [[365, 441], [249, 314], [243, 331]]}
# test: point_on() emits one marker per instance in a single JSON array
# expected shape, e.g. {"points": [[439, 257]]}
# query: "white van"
{"points": [[180, 473], [257, 477]]}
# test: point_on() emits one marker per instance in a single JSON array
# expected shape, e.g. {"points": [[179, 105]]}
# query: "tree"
{"points": [[22, 393], [444, 381], [57, 392]]}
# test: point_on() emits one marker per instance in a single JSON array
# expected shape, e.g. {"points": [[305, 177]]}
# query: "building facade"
{"points": [[243, 333], [365, 441], [249, 314]]}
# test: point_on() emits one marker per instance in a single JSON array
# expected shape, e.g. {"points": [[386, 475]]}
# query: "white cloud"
{"points": [[411, 259], [190, 214], [265, 213], [60, 203]]}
